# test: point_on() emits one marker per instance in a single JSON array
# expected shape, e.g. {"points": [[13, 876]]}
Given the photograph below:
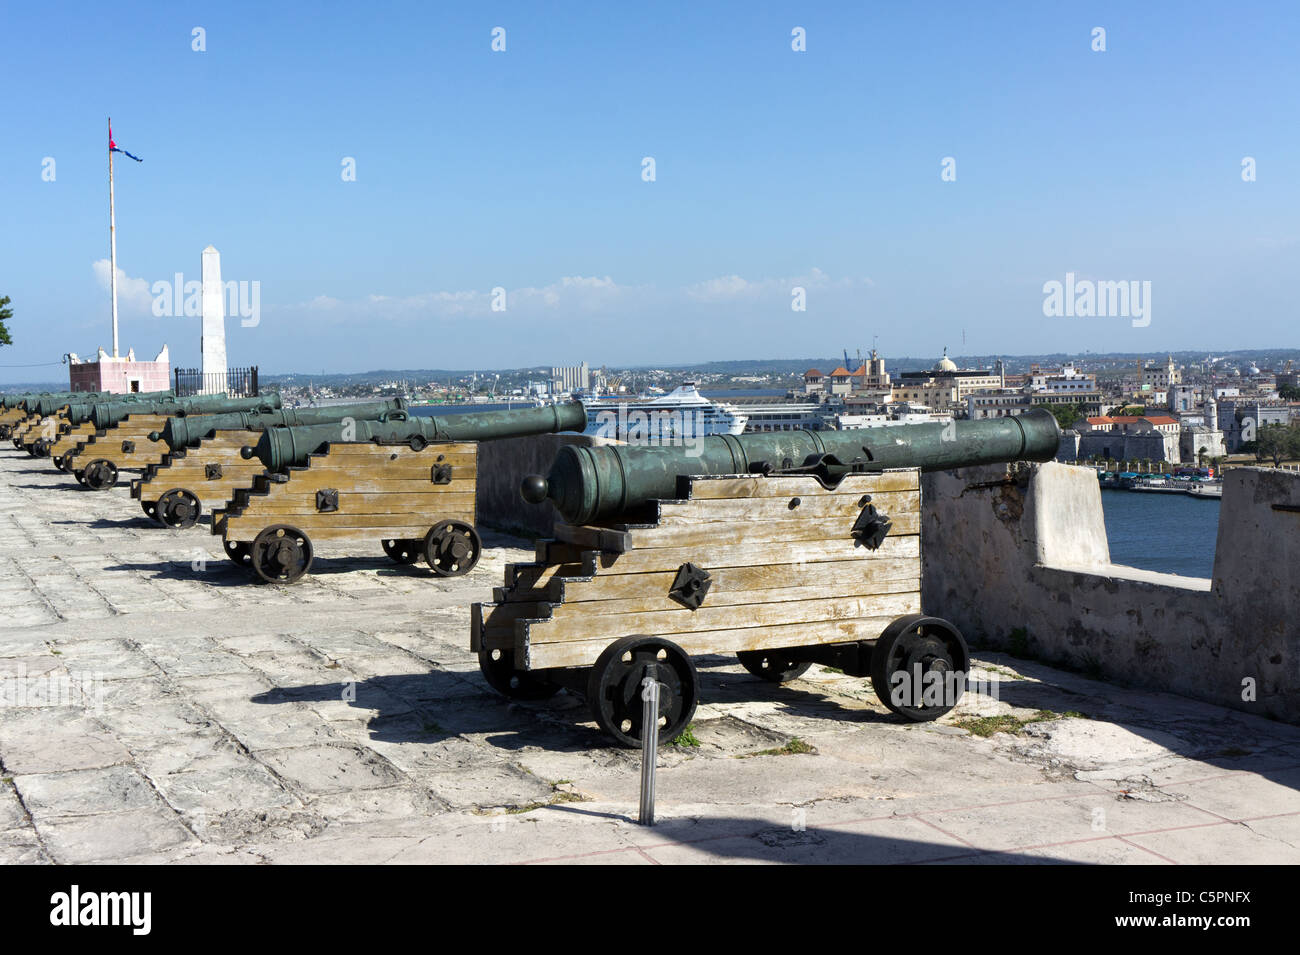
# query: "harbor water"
{"points": [[1169, 533]]}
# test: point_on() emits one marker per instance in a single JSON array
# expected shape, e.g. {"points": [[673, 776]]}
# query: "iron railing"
{"points": [[236, 382]]}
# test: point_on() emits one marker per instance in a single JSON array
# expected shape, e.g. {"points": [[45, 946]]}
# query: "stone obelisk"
{"points": [[214, 325]]}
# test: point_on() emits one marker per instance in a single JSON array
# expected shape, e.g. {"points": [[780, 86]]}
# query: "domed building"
{"points": [[945, 386]]}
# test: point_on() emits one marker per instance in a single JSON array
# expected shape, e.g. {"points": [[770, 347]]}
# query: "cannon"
{"points": [[203, 467], [121, 439], [786, 549], [72, 422], [48, 416], [408, 484], [189, 430], [22, 411]]}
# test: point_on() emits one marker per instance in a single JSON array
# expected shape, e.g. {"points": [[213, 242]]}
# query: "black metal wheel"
{"points": [[404, 551], [150, 509], [178, 508], [452, 548], [772, 665], [99, 475], [498, 668], [241, 552], [5, 431], [41, 448], [281, 554], [614, 688], [919, 667]]}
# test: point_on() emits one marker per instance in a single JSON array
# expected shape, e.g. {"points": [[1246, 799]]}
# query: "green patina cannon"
{"points": [[408, 484], [106, 414], [47, 416], [122, 429], [280, 448], [75, 415], [590, 483], [786, 549], [188, 431]]}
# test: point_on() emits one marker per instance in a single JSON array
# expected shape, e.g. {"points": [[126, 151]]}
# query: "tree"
{"points": [[6, 313], [1277, 442], [1289, 393], [1066, 415]]}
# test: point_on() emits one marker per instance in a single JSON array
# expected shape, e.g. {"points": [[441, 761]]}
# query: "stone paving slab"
{"points": [[156, 706]]}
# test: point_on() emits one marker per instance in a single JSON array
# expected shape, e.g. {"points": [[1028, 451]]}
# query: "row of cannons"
{"points": [[785, 549]]}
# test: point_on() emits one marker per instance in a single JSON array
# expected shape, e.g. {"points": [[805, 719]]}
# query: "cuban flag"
{"points": [[113, 147]]}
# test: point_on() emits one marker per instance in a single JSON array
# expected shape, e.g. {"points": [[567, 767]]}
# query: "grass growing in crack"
{"points": [[986, 726], [1230, 753], [686, 737], [557, 799], [1001, 671], [431, 727], [794, 747]]}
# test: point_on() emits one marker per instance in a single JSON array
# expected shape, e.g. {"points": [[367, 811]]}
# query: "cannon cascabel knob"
{"points": [[247, 452], [533, 489]]}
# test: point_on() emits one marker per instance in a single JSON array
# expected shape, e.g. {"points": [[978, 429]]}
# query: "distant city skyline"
{"points": [[915, 177]]}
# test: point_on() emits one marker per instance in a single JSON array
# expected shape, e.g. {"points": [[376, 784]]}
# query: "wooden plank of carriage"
{"points": [[426, 499], [75, 438], [568, 622], [372, 480], [703, 487], [714, 510], [577, 653], [522, 579], [903, 524], [320, 528], [832, 578], [741, 555]]}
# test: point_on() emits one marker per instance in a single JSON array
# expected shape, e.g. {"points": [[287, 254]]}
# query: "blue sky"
{"points": [[522, 170]]}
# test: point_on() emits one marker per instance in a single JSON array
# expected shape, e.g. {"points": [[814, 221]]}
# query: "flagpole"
{"points": [[112, 238]]}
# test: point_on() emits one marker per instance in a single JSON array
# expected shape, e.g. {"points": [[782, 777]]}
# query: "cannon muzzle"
{"points": [[279, 448], [594, 483]]}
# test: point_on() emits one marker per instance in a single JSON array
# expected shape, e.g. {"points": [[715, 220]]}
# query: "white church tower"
{"points": [[214, 325]]}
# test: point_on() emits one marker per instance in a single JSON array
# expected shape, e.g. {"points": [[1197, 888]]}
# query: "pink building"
{"points": [[120, 375]]}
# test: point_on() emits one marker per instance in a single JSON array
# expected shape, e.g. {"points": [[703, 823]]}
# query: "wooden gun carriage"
{"points": [[781, 570], [175, 491], [414, 499]]}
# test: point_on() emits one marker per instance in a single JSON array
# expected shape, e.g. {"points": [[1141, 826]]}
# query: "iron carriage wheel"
{"points": [[498, 668], [772, 665], [178, 508], [281, 554], [403, 551], [452, 548], [241, 552], [615, 682], [919, 667], [99, 474]]}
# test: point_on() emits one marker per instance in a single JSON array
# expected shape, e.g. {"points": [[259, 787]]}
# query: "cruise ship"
{"points": [[682, 414]]}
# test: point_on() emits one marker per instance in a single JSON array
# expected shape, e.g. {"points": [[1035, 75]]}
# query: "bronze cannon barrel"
{"points": [[591, 483], [279, 448], [189, 430], [107, 414]]}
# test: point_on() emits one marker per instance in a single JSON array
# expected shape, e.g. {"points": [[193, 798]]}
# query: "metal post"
{"points": [[112, 239], [649, 745]]}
